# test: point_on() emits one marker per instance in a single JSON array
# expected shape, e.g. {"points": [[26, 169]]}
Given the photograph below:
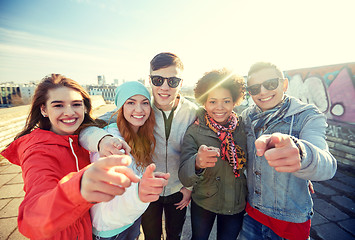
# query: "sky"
{"points": [[82, 39]]}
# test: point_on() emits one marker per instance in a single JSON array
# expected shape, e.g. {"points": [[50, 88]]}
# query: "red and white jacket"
{"points": [[52, 167]]}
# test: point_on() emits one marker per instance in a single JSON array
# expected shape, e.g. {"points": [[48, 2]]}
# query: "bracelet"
{"points": [[98, 144], [301, 149]]}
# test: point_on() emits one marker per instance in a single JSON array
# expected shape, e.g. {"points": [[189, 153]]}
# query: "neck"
{"points": [[168, 107], [135, 128]]}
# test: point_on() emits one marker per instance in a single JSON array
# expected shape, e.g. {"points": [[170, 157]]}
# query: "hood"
{"points": [[200, 116], [35, 140], [298, 106]]}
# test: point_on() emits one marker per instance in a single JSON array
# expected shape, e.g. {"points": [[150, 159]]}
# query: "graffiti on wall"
{"points": [[342, 132], [330, 88]]}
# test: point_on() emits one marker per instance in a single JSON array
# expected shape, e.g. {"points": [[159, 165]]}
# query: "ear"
{"points": [[285, 84], [204, 105], [44, 110], [182, 80]]}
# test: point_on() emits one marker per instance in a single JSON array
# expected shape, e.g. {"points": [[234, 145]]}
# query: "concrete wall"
{"points": [[12, 120], [97, 101]]}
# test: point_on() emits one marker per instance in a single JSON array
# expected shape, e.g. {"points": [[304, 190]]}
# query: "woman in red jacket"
{"points": [[60, 184]]}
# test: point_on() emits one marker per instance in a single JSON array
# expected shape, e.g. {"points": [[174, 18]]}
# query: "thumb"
{"points": [[125, 147], [149, 171], [203, 148]]}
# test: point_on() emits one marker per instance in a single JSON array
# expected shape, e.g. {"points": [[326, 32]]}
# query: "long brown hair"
{"points": [[143, 142], [53, 81]]}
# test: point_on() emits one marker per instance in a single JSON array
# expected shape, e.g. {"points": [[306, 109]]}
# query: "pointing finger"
{"points": [[166, 176], [261, 144], [149, 171], [114, 160]]}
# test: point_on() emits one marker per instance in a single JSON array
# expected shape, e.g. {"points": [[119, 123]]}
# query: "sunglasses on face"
{"points": [[270, 84], [157, 81]]}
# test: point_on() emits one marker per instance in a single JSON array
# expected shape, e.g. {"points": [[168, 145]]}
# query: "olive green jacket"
{"points": [[215, 189]]}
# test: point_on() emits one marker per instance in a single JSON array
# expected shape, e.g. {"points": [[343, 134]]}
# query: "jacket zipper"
{"points": [[72, 150], [166, 161]]}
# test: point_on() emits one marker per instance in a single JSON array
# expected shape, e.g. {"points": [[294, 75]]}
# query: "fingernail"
{"points": [[124, 161]]}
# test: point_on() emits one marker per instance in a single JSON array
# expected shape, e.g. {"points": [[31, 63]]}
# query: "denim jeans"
{"points": [[228, 226], [130, 233], [174, 218], [253, 230]]}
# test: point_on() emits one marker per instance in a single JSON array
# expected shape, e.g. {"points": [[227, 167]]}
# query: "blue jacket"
{"points": [[281, 195]]}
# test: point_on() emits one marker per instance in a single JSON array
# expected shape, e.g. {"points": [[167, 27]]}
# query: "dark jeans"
{"points": [[228, 226], [174, 218], [130, 233]]}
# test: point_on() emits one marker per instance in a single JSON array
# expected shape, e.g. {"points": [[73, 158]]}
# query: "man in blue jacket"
{"points": [[286, 149]]}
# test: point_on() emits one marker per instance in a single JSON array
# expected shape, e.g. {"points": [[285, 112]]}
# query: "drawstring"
{"points": [[72, 150], [293, 117]]}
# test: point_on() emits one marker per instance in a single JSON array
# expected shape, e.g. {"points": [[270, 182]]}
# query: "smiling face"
{"points": [[165, 96], [136, 111], [65, 110], [219, 105], [267, 99]]}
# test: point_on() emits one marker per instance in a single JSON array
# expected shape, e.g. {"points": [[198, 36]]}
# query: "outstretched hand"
{"points": [[152, 184], [106, 178], [280, 151], [206, 157], [109, 145]]}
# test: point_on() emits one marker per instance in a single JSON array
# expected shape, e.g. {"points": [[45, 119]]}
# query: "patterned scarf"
{"points": [[230, 151], [261, 120]]}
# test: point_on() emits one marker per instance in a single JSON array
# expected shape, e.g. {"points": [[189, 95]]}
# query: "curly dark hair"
{"points": [[223, 78]]}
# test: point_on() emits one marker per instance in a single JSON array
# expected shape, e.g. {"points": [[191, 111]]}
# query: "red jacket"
{"points": [[53, 207]]}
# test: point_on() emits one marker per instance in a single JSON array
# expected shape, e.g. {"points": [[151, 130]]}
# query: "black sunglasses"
{"points": [[157, 81], [270, 84]]}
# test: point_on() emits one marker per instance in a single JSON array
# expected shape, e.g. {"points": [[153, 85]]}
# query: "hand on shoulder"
{"points": [[109, 145]]}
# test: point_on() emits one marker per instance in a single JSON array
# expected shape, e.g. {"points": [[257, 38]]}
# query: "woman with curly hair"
{"points": [[214, 156]]}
